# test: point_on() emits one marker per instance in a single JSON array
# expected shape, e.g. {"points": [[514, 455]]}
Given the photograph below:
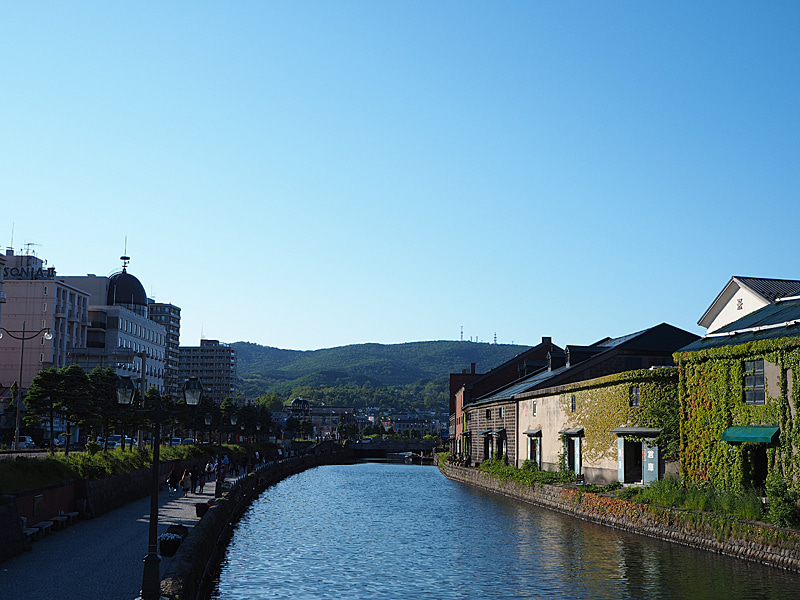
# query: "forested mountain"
{"points": [[412, 375]]}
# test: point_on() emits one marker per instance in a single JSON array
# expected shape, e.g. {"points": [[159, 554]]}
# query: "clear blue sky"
{"points": [[313, 174]]}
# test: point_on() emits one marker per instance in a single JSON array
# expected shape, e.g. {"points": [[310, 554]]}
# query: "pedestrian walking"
{"points": [[201, 482], [186, 482], [194, 477], [172, 482]]}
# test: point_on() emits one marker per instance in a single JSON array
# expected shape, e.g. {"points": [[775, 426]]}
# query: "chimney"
{"points": [[472, 367], [547, 340]]}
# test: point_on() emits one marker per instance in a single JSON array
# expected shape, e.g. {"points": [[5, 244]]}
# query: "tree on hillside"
{"points": [[271, 402]]}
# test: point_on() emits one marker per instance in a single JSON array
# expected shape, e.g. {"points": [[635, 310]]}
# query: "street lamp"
{"points": [[192, 390], [20, 335]]}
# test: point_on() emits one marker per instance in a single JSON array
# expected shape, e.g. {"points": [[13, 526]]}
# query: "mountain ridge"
{"points": [[265, 369]]}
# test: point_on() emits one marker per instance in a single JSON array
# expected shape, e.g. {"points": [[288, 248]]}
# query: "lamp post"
{"points": [[20, 335], [192, 390]]}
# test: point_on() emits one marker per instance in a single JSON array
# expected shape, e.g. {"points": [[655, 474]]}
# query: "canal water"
{"points": [[405, 532]]}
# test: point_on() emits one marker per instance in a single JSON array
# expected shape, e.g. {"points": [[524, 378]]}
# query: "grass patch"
{"points": [[528, 475], [670, 492], [22, 473]]}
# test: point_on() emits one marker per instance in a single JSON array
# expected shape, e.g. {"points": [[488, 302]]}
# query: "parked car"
{"points": [[176, 442], [116, 440], [26, 442], [45, 443], [187, 441]]}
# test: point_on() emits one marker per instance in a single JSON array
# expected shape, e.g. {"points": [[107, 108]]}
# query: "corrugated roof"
{"points": [[776, 321], [662, 337], [771, 289]]}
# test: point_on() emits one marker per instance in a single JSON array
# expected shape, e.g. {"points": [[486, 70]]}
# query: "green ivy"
{"points": [[603, 404], [711, 400]]}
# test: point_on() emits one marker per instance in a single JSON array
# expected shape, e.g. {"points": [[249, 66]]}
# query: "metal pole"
{"points": [[151, 578], [19, 387]]}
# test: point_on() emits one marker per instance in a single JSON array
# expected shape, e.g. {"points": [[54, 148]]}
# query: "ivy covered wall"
{"points": [[711, 391], [603, 404]]}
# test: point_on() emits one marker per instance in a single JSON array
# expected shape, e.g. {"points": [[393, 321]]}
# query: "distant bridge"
{"points": [[382, 448]]}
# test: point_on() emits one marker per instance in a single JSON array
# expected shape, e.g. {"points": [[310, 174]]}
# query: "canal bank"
{"points": [[192, 571], [747, 540]]}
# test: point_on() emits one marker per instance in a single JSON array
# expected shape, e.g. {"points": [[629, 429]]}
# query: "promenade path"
{"points": [[96, 559]]}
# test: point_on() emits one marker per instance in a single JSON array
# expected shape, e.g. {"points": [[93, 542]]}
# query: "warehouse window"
{"points": [[754, 382]]}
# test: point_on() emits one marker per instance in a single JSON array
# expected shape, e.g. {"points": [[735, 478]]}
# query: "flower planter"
{"points": [[201, 508]]}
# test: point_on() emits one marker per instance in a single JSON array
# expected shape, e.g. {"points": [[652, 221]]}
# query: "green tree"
{"points": [[42, 400], [105, 409], [53, 391], [75, 398], [271, 402]]}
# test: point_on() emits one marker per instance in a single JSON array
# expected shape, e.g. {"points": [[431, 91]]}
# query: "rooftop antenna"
{"points": [[495, 338], [125, 258], [462, 333]]}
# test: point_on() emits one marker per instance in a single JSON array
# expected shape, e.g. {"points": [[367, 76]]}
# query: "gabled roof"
{"points": [[767, 289], [522, 356], [780, 319], [661, 338]]}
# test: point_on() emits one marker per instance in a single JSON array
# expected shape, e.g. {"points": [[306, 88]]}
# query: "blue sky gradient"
{"points": [[313, 174]]}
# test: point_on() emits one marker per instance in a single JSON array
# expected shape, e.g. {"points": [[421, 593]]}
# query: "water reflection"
{"points": [[405, 532]]}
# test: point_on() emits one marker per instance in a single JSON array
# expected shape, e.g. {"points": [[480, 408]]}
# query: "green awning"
{"points": [[757, 434]]}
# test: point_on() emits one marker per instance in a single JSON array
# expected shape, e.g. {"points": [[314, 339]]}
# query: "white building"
{"points": [[121, 334]]}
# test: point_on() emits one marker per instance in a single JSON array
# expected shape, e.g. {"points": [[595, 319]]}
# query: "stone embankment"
{"points": [[749, 540], [192, 571]]}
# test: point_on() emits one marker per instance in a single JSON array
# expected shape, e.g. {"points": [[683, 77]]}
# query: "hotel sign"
{"points": [[28, 273]]}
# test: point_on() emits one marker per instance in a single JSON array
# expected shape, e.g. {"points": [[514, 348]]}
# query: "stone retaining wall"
{"points": [[192, 571], [749, 540], [89, 498], [12, 540]]}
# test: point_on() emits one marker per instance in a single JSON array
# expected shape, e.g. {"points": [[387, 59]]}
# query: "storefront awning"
{"points": [[644, 432], [757, 434], [574, 432], [533, 432], [492, 432]]}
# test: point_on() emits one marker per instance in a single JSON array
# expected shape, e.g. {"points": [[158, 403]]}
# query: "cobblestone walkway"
{"points": [[97, 559]]}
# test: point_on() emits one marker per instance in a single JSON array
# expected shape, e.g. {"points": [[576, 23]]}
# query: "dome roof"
{"points": [[124, 289]]}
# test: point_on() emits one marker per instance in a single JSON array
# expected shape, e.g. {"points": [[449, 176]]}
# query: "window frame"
{"points": [[754, 382], [635, 396]]}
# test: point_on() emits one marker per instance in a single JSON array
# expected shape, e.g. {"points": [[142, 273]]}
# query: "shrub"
{"points": [[628, 493], [782, 498]]}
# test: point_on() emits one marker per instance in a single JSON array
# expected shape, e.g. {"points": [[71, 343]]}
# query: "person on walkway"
{"points": [[186, 482], [201, 482], [172, 482], [194, 477]]}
